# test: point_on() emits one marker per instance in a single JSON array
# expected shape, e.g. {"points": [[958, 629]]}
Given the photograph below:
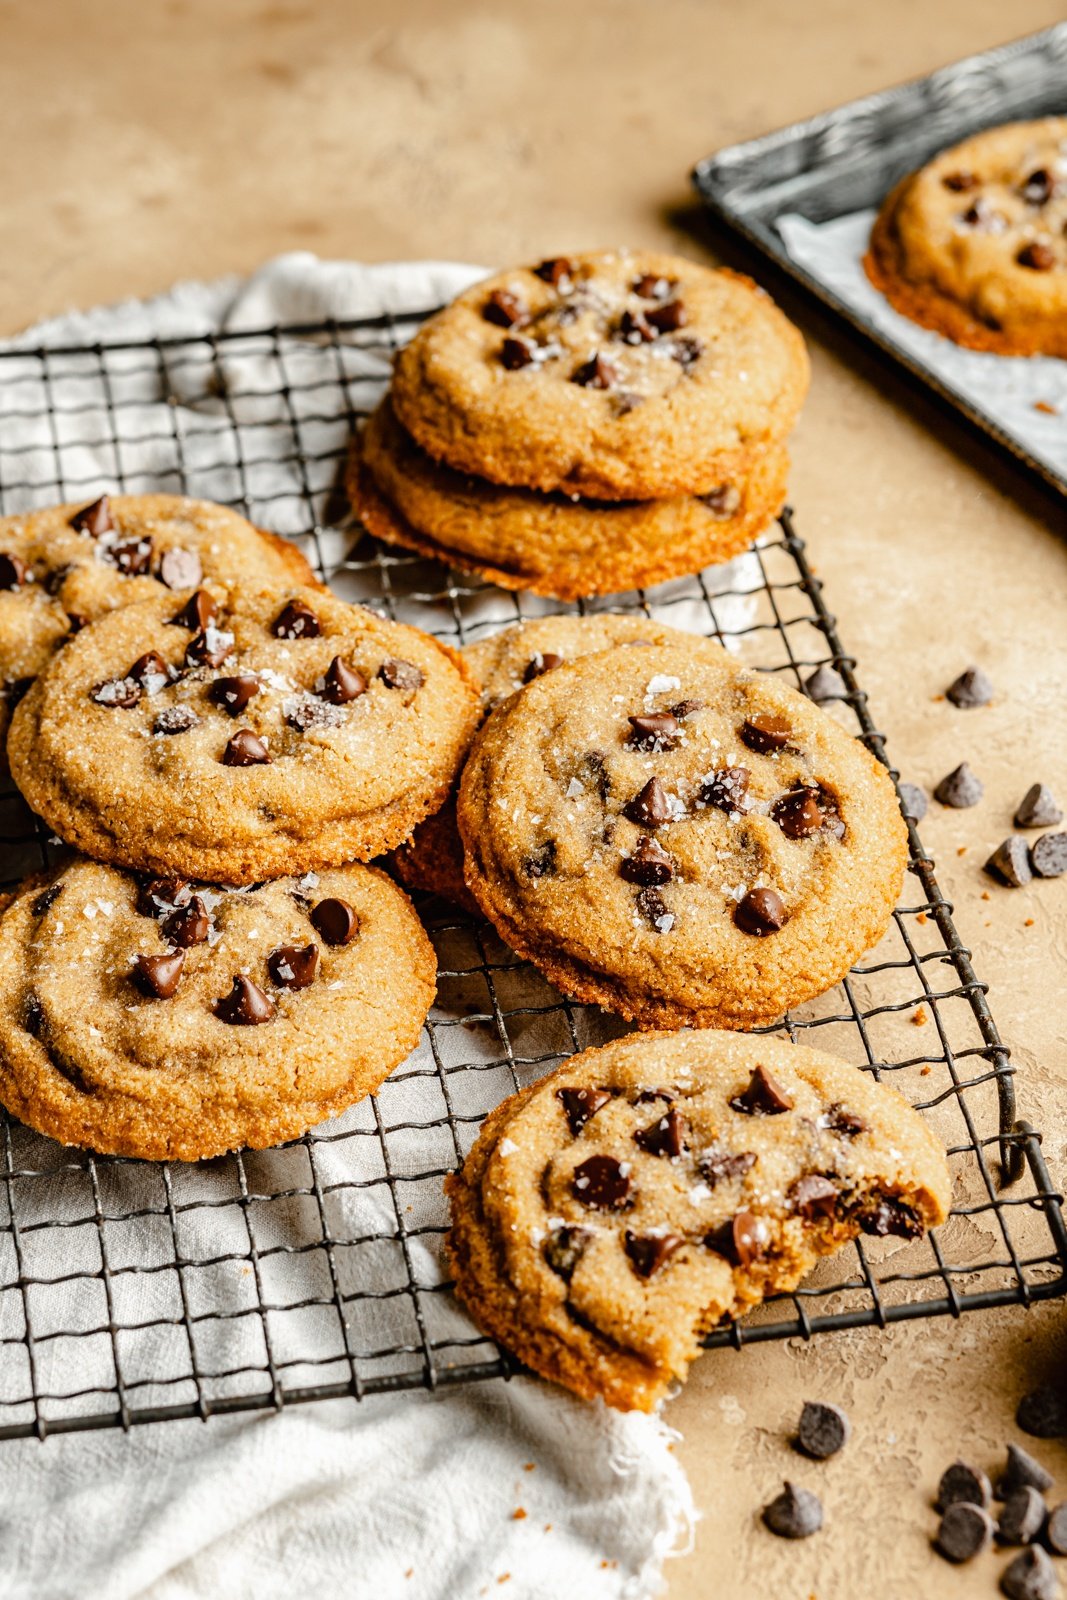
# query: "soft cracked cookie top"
{"points": [[163, 1018], [607, 374], [264, 733], [68, 565], [983, 224], [618, 1209], [679, 838]]}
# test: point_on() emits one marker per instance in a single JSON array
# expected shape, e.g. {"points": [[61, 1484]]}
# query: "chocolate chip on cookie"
{"points": [[596, 373], [648, 864], [246, 749], [180, 569], [198, 612], [666, 1137], [761, 912], [603, 1183], [763, 1097], [341, 683], [95, 519], [766, 733], [335, 920], [189, 924], [581, 1104], [209, 648], [12, 571], [118, 694], [233, 694], [505, 309], [293, 966], [650, 807], [401, 675], [158, 976], [296, 620], [648, 1253], [654, 731]]}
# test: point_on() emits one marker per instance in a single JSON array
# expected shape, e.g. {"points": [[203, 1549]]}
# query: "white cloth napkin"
{"points": [[512, 1489]]}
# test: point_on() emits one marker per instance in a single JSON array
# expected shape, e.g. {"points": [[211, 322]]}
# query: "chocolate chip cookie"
{"points": [[500, 665], [267, 732], [973, 245], [68, 565], [616, 375], [553, 544], [615, 1212], [168, 1019], [678, 838]]}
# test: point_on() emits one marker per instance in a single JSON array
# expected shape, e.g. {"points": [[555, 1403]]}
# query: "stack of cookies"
{"points": [[596, 423], [226, 746]]}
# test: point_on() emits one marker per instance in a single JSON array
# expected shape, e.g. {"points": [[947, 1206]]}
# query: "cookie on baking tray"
{"points": [[500, 665], [973, 245], [265, 732], [553, 544], [675, 837], [616, 375], [68, 565], [619, 1209], [166, 1019]]}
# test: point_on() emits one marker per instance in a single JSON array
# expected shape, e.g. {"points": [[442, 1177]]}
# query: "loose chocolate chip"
{"points": [[246, 1005], [542, 863], [846, 1123], [596, 373], [1010, 862], [46, 899], [180, 569], [686, 351], [118, 694], [912, 801], [823, 1430], [794, 1514], [720, 1166], [649, 864], [233, 694], [197, 614], [686, 708], [292, 966], [1038, 188], [296, 621], [12, 571], [1056, 1529], [335, 921], [655, 911], [543, 661], [148, 669], [208, 649], [162, 894], [1039, 257], [655, 731], [505, 309], [1038, 808], [742, 1241], [799, 813], [825, 684], [760, 913], [765, 733], [341, 683], [964, 1532], [581, 1104], [245, 750], [189, 924], [1031, 1576], [888, 1218], [1022, 1517], [1049, 855], [157, 976], [1043, 1412], [725, 501], [813, 1196], [963, 1482], [558, 271], [635, 328], [1022, 1472], [95, 519], [960, 789], [651, 807], [401, 675], [134, 558], [649, 286], [666, 1137], [648, 1252], [175, 719], [602, 1183], [971, 688], [564, 1248], [764, 1096], [960, 182], [727, 789], [516, 353], [668, 317]]}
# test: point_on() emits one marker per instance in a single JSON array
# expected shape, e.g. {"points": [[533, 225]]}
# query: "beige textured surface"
{"points": [[145, 143]]}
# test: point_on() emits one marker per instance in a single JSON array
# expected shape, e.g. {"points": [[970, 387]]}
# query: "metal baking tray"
{"points": [[845, 161]]}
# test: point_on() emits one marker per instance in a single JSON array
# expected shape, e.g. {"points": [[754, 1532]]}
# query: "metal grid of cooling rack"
{"points": [[132, 1292]]}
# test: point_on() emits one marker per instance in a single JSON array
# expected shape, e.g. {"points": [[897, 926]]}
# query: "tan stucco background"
{"points": [[140, 143]]}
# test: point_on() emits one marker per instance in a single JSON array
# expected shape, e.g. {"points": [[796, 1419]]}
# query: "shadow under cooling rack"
{"points": [[132, 1292]]}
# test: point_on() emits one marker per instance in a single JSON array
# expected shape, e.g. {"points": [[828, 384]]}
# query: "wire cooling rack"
{"points": [[132, 1292]]}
